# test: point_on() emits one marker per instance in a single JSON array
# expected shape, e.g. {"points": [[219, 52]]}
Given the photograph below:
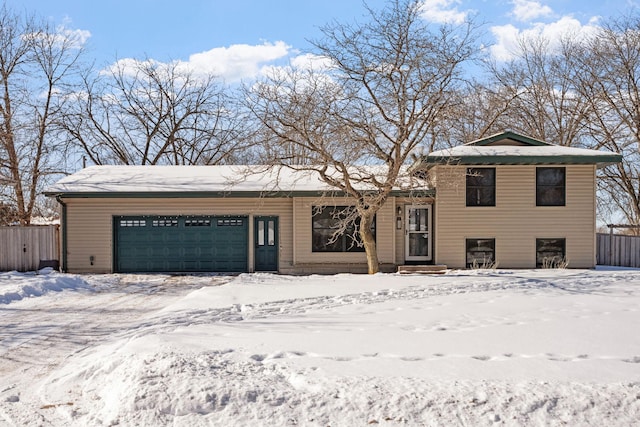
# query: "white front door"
{"points": [[418, 233]]}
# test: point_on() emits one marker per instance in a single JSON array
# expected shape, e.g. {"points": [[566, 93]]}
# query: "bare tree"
{"points": [[147, 112], [477, 110], [609, 78], [36, 63], [379, 93], [536, 93]]}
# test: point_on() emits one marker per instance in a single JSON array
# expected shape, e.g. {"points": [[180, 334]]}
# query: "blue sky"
{"points": [[238, 38]]}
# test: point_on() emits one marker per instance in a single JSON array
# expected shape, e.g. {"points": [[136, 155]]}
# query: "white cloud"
{"points": [[239, 61], [508, 36], [506, 42], [128, 66], [310, 61], [233, 63], [80, 37], [443, 11], [63, 36], [527, 10]]}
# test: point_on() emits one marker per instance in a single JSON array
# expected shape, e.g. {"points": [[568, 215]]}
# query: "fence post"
{"points": [[610, 244]]}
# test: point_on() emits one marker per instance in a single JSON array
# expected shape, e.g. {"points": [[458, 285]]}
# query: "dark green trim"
{"points": [[220, 194], [63, 237], [114, 245], [508, 135], [415, 193], [602, 160]]}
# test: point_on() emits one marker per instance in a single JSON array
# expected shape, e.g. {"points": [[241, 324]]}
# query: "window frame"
{"points": [[468, 262], [348, 242], [478, 188], [543, 190], [563, 255]]}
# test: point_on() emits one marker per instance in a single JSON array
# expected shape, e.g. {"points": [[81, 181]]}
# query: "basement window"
{"points": [[550, 253], [481, 252]]}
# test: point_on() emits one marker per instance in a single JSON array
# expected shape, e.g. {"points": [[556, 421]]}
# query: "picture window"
{"points": [[326, 221]]}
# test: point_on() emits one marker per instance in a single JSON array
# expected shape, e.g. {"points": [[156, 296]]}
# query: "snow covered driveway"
{"points": [[545, 347], [46, 318]]}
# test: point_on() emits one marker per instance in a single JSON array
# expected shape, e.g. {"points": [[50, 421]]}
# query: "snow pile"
{"points": [[220, 388], [468, 348], [15, 286]]}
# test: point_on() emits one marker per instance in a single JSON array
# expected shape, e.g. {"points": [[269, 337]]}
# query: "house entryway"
{"points": [[266, 243], [418, 234]]}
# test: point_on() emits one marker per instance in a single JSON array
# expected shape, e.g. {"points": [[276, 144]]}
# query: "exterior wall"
{"points": [[90, 230], [515, 222], [90, 222]]}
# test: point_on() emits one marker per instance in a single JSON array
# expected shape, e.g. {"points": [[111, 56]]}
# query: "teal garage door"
{"points": [[180, 244]]}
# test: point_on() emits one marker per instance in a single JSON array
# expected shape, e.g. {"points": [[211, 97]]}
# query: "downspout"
{"points": [[63, 223]]}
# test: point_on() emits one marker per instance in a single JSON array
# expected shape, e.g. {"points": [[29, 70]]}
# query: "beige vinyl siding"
{"points": [[515, 222], [90, 223], [339, 261]]}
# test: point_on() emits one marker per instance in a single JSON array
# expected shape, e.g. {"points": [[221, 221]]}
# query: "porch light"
{"points": [[399, 218]]}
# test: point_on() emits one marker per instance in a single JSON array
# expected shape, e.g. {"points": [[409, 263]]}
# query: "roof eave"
{"points": [[600, 160], [219, 194]]}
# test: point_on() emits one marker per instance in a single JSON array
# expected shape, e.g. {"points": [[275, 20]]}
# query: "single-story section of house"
{"points": [[507, 200]]}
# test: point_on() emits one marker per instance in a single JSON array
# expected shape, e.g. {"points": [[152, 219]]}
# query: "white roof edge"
{"points": [[191, 179]]}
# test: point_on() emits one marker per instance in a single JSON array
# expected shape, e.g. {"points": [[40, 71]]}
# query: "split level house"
{"points": [[507, 200]]}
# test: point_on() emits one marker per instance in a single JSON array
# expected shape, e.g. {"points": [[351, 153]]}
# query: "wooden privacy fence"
{"points": [[618, 249], [23, 248]]}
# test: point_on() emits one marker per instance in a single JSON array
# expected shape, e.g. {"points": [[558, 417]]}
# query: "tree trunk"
{"points": [[369, 242]]}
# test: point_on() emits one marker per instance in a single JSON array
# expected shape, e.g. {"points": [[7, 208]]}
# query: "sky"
{"points": [[237, 39]]}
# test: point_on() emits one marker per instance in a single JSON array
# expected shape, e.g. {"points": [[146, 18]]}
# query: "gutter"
{"points": [[63, 223], [219, 194], [506, 159]]}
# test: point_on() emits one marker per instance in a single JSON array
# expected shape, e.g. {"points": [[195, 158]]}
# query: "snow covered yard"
{"points": [[505, 347]]}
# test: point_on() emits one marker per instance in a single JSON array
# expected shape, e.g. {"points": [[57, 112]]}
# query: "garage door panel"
{"points": [[175, 244]]}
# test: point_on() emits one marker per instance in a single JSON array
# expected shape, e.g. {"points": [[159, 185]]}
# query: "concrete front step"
{"points": [[422, 269]]}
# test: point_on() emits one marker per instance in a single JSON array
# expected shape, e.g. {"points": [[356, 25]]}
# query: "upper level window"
{"points": [[481, 186], [326, 220], [550, 186]]}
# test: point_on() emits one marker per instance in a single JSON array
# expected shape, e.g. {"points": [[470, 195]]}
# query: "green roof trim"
{"points": [[603, 159], [508, 135], [222, 194]]}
